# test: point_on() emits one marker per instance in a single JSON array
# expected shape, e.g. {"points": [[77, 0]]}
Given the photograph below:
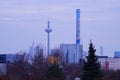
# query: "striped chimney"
{"points": [[78, 26]]}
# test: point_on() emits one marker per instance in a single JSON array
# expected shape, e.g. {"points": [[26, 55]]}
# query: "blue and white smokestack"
{"points": [[78, 26]]}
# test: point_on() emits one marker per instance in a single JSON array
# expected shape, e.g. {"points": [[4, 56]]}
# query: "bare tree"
{"points": [[18, 70], [39, 65]]}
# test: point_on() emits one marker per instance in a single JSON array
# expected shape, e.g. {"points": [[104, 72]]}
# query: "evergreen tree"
{"points": [[55, 72], [92, 68]]}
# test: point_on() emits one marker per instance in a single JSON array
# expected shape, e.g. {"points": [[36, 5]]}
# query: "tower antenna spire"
{"points": [[48, 30]]}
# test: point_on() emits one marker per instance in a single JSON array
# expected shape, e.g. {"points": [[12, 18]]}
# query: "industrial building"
{"points": [[109, 63], [117, 54], [4, 58], [73, 53]]}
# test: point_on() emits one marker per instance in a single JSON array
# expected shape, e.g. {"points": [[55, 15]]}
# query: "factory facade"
{"points": [[73, 53]]}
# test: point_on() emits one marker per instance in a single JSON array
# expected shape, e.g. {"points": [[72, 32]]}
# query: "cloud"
{"points": [[18, 11], [6, 19]]}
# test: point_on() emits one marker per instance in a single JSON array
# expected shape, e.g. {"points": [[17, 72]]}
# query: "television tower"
{"points": [[48, 30]]}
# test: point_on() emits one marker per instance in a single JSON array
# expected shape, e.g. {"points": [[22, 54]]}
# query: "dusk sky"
{"points": [[24, 21]]}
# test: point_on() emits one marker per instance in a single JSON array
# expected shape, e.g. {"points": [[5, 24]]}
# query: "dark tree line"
{"points": [[38, 69], [42, 69]]}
